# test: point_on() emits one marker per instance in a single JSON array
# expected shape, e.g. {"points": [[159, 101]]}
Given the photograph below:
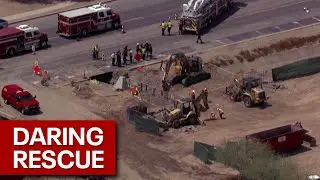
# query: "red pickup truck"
{"points": [[20, 99]]}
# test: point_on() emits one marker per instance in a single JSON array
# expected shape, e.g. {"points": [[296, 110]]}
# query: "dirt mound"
{"points": [[83, 91], [253, 54]]}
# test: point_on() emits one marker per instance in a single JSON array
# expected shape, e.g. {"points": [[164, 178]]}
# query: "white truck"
{"points": [[198, 14]]}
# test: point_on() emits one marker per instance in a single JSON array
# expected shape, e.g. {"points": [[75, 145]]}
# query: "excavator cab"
{"points": [[186, 106], [247, 89], [187, 71]]}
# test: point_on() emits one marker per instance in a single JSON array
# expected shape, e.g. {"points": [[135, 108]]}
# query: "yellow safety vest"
{"points": [[163, 25], [169, 24], [143, 50]]}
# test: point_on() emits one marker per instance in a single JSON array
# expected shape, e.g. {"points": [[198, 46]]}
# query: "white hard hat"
{"points": [[193, 91], [137, 43]]}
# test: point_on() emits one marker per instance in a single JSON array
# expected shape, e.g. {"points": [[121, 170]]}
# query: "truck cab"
{"points": [[3, 23], [20, 99], [33, 36], [81, 22], [106, 19]]}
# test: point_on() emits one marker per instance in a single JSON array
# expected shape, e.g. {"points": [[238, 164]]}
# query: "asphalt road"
{"points": [[142, 20], [131, 18], [140, 17]]}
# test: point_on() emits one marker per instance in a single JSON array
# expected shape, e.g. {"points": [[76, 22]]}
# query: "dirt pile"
{"points": [[253, 54]]}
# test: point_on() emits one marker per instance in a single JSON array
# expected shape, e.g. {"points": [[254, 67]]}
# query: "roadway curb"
{"points": [[57, 12], [7, 116], [234, 43]]}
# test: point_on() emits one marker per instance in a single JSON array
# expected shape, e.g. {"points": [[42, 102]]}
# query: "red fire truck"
{"points": [[85, 20], [21, 38]]}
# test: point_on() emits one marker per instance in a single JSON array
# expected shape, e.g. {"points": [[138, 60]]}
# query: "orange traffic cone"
{"points": [[36, 68]]}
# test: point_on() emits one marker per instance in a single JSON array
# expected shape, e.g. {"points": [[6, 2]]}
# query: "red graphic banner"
{"points": [[58, 147]]}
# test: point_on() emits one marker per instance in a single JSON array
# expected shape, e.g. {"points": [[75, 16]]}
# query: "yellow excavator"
{"points": [[187, 70], [187, 111]]}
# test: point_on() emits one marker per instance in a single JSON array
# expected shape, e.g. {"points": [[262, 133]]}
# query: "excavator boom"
{"points": [[203, 96]]}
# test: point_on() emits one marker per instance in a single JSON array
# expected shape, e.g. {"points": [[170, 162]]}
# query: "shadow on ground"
{"points": [[296, 151]]}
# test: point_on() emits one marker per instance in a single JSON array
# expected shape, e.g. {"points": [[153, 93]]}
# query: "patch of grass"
{"points": [[256, 162]]}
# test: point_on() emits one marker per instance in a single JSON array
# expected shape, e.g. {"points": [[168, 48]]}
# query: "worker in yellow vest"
{"points": [[143, 53], [163, 27], [169, 25]]}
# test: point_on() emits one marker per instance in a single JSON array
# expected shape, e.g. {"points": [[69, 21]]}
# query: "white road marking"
{"points": [[277, 27], [257, 12], [297, 23], [259, 32], [56, 37], [36, 82], [56, 77], [219, 41], [69, 77], [133, 19], [162, 55], [315, 18]]}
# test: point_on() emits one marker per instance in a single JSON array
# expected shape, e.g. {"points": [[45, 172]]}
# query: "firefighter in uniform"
{"points": [[163, 27], [137, 48], [130, 56], [103, 56], [150, 50], [119, 58], [147, 48], [95, 52], [180, 28], [199, 36], [169, 25], [125, 55], [221, 113]]}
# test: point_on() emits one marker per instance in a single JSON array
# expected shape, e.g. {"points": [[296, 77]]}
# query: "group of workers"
{"points": [[143, 51], [119, 58], [166, 25], [95, 52], [212, 115]]}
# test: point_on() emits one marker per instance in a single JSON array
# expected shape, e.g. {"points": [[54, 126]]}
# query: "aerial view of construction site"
{"points": [[200, 89]]}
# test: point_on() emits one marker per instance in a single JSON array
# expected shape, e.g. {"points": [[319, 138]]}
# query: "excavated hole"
{"points": [[105, 77]]}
